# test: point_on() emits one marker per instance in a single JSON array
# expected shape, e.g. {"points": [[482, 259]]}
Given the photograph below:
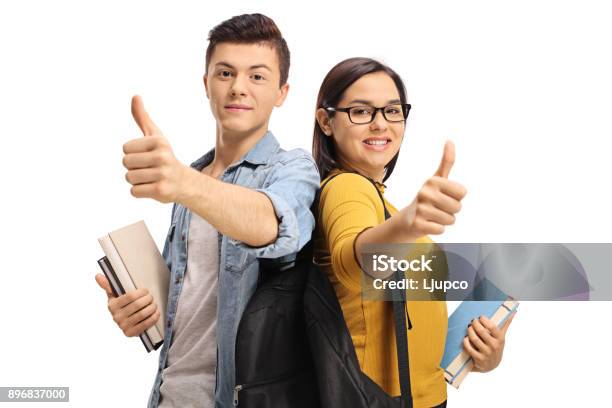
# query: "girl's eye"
{"points": [[361, 111]]}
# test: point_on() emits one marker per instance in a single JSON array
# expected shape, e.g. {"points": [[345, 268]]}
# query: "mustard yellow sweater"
{"points": [[349, 205]]}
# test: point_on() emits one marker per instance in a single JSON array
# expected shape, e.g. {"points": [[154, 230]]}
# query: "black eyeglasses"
{"points": [[361, 115]]}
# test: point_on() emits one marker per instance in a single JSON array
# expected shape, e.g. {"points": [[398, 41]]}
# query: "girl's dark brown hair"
{"points": [[343, 75], [251, 29]]}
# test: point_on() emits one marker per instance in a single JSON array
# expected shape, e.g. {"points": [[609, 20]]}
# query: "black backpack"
{"points": [[294, 350]]}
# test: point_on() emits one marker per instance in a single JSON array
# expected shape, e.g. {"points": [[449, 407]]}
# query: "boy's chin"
{"points": [[237, 126]]}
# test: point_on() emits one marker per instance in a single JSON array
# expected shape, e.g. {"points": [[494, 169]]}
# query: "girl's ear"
{"points": [[324, 121]]}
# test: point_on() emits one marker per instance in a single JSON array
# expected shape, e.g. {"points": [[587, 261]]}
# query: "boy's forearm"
{"points": [[235, 211]]}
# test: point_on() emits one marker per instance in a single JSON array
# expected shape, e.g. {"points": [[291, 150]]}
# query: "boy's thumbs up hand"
{"points": [[437, 201], [142, 118], [153, 170]]}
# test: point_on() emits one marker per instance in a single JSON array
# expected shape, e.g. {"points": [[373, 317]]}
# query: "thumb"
{"points": [[448, 159], [104, 284], [142, 118]]}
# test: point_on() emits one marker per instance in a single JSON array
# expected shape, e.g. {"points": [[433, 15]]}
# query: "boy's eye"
{"points": [[225, 73], [257, 77]]}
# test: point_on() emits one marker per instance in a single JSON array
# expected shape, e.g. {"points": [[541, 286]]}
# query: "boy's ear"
{"points": [[206, 85], [282, 95], [324, 121]]}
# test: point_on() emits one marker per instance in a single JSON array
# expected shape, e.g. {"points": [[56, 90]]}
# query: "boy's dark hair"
{"points": [[251, 29]]}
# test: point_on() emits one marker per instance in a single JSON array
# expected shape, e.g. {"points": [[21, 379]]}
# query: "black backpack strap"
{"points": [[400, 313], [320, 190], [403, 362]]}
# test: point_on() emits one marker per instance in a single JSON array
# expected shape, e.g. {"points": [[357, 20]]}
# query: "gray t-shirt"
{"points": [[189, 377]]}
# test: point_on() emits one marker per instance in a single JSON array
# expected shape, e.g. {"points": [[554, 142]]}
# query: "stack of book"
{"points": [[456, 362], [132, 261]]}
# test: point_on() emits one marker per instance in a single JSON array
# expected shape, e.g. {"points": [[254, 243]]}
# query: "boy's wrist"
{"points": [[192, 184]]}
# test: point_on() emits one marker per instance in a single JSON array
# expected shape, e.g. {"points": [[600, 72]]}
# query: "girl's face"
{"points": [[366, 148]]}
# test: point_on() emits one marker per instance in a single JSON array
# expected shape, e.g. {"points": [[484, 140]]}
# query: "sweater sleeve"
{"points": [[349, 205]]}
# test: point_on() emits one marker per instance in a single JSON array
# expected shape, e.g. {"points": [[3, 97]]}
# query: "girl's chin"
{"points": [[378, 160], [371, 162], [372, 168]]}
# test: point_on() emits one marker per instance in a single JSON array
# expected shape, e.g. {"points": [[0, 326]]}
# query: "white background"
{"points": [[523, 88]]}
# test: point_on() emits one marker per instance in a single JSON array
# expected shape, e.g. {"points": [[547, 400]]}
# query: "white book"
{"points": [[137, 263]]}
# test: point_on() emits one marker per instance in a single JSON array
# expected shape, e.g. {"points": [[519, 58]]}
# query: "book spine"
{"points": [[107, 270]]}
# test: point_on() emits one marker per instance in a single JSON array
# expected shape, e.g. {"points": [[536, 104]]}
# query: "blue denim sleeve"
{"points": [[291, 188], [166, 250]]}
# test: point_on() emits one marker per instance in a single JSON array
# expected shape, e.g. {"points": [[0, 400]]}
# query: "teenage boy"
{"points": [[245, 199]]}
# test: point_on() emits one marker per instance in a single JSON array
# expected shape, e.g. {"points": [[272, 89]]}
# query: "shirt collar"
{"points": [[259, 154]]}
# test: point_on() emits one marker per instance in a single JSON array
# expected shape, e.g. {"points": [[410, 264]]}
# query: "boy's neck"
{"points": [[231, 146]]}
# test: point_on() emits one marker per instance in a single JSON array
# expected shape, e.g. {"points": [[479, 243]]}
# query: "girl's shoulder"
{"points": [[338, 180], [351, 192]]}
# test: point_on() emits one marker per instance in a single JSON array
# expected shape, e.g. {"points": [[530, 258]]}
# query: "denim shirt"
{"points": [[290, 180]]}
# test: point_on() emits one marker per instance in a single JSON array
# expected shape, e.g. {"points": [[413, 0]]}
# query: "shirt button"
{"points": [[177, 280], [182, 237]]}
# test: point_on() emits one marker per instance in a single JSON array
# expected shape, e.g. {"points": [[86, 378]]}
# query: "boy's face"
{"points": [[242, 84]]}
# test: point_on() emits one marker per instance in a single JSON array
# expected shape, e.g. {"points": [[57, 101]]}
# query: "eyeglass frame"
{"points": [[405, 111]]}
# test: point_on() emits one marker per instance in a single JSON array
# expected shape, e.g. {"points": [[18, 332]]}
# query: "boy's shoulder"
{"points": [[297, 165], [269, 152], [283, 156]]}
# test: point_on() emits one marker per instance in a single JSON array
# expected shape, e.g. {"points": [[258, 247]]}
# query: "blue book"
{"points": [[456, 362]]}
